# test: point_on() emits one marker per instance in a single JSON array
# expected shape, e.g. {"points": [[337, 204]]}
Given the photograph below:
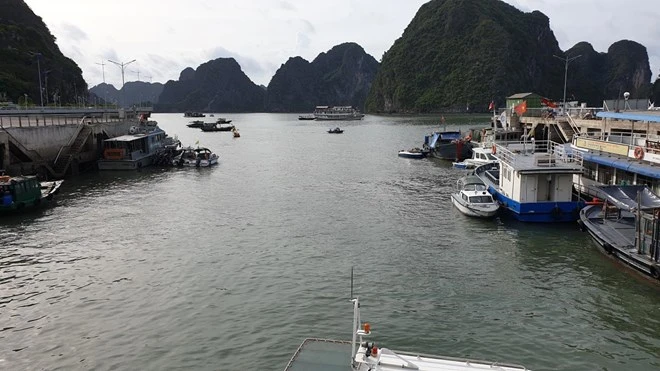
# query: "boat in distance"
{"points": [[335, 131], [307, 117], [327, 113], [360, 355]]}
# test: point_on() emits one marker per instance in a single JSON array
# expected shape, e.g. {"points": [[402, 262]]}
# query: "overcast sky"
{"points": [[167, 36]]}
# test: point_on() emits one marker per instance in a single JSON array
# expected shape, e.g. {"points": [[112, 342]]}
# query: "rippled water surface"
{"points": [[230, 268]]}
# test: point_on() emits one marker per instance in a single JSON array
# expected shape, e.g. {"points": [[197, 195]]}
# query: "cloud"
{"points": [[73, 33]]}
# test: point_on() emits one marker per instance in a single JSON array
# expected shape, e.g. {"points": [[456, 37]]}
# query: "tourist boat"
{"points": [[449, 145], [472, 198], [214, 126], [626, 225], [416, 153], [143, 146], [335, 131], [222, 120], [193, 114], [337, 113], [480, 156], [195, 157], [25, 193], [534, 181], [362, 355], [307, 117]]}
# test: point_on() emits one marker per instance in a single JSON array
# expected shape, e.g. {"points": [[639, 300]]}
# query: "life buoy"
{"points": [[494, 149], [639, 153]]}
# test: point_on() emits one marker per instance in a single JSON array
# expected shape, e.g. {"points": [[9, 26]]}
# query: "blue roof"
{"points": [[631, 165], [634, 116]]}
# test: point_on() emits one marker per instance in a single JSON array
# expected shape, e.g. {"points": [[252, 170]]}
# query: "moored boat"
{"points": [[416, 153], [213, 126], [195, 157], [472, 198], [196, 124], [480, 156], [25, 193], [449, 145], [307, 117], [142, 147], [193, 114], [626, 225], [335, 131], [533, 181]]}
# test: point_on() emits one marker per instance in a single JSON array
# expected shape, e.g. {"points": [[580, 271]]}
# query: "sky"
{"points": [[166, 36]]}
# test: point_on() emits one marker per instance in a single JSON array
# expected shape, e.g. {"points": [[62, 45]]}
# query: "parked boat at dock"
{"points": [[480, 156], [626, 225], [362, 355], [144, 145], [472, 198], [24, 193], [325, 113], [416, 153], [534, 181]]}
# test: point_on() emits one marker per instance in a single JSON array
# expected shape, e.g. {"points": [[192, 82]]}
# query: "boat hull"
{"points": [[474, 211], [538, 212], [457, 151], [104, 164], [414, 155], [612, 244]]}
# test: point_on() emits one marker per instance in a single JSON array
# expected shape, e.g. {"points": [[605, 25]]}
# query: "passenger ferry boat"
{"points": [[533, 180], [337, 113], [140, 148], [361, 355]]}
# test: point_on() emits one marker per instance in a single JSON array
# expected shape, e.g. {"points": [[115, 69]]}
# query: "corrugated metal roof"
{"points": [[521, 95]]}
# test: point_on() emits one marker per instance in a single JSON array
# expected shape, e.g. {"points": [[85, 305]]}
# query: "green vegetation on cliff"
{"points": [[24, 40]]}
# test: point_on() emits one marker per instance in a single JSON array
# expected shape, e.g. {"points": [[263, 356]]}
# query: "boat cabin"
{"points": [[19, 190], [133, 146]]}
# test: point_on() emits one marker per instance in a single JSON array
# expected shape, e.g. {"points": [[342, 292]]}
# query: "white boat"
{"points": [[337, 113], [142, 147], [480, 156], [361, 355], [416, 153], [195, 157], [473, 199]]}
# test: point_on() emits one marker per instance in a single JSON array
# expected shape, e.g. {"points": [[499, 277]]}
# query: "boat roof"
{"points": [[126, 138], [649, 116], [625, 197], [622, 163], [472, 179]]}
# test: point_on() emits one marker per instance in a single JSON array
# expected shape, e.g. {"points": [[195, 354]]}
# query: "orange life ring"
{"points": [[494, 149], [639, 153]]}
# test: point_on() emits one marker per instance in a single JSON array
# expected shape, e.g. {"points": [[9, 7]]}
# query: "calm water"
{"points": [[232, 267]]}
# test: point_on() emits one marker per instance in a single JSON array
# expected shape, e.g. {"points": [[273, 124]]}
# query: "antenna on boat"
{"points": [[351, 282]]}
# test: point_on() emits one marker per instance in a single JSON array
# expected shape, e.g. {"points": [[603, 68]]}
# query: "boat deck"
{"points": [[321, 355], [618, 232]]}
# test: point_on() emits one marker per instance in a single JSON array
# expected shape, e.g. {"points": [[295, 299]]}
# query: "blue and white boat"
{"points": [[449, 145], [142, 147], [533, 181]]}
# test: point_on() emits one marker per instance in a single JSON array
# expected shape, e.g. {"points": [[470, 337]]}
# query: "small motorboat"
{"points": [[306, 117], [335, 131], [413, 153], [196, 124], [216, 127], [480, 156], [195, 157], [472, 198]]}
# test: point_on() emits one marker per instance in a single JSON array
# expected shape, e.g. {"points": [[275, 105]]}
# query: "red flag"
{"points": [[491, 106], [547, 102], [521, 108]]}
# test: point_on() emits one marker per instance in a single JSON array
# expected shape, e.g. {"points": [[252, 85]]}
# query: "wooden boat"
{"points": [[362, 355], [335, 131], [472, 198], [25, 193]]}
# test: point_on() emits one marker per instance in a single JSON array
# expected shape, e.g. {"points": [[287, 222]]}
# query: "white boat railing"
{"points": [[534, 154]]}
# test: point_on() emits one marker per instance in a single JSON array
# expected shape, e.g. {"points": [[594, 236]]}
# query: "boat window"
{"points": [[491, 157], [464, 197], [485, 199]]}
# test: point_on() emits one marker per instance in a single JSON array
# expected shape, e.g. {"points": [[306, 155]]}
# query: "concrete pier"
{"points": [[56, 142]]}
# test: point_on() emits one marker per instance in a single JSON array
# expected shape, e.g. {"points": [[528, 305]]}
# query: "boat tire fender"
{"points": [[608, 248], [655, 273]]}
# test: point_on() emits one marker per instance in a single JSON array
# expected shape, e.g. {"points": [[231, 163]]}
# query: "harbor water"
{"points": [[230, 268]]}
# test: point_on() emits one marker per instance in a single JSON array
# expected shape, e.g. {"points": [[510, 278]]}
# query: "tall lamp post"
{"points": [[122, 66], [105, 88], [567, 60], [41, 92]]}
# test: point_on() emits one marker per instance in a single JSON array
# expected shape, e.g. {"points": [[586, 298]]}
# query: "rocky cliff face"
{"points": [[216, 86], [458, 53], [27, 48], [342, 76]]}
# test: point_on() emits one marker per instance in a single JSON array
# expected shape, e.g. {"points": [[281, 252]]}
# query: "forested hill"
{"points": [[24, 41], [464, 53]]}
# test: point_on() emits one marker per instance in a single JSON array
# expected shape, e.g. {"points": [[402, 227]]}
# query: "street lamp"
{"points": [[41, 92], [567, 60], [25, 95], [122, 66]]}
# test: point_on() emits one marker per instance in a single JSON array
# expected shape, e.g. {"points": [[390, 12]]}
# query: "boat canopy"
{"points": [[624, 164], [625, 197], [472, 179], [632, 116]]}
